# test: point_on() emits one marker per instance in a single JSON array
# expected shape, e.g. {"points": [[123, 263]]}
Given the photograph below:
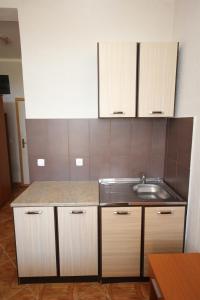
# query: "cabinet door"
{"points": [[157, 78], [117, 79], [35, 241], [78, 241], [121, 241], [164, 231]]}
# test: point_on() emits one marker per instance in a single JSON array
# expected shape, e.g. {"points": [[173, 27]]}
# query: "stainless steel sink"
{"points": [[131, 191], [149, 191]]}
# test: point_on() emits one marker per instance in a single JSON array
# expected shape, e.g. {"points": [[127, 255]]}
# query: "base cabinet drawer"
{"points": [[163, 231], [35, 241], [121, 241], [78, 247]]}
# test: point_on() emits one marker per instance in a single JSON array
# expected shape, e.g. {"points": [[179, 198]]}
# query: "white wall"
{"points": [[187, 31], [13, 68], [58, 42]]}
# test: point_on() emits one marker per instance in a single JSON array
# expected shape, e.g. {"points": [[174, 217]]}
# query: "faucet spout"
{"points": [[143, 179]]}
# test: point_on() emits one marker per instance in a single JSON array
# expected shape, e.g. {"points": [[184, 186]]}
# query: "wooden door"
{"points": [[5, 180], [35, 241], [121, 241], [163, 232], [117, 79], [78, 241], [22, 138], [157, 79]]}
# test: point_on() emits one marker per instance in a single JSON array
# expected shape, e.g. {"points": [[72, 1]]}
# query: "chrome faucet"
{"points": [[143, 179]]}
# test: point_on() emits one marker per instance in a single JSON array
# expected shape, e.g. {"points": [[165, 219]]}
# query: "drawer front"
{"points": [[121, 241], [35, 241], [164, 230], [78, 245]]}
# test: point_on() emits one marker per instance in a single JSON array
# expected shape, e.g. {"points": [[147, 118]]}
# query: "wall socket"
{"points": [[79, 162], [41, 162]]}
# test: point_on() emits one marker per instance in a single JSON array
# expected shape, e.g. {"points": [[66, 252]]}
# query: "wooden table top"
{"points": [[178, 275]]}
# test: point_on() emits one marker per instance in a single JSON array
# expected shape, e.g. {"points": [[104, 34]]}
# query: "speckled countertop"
{"points": [[59, 193]]}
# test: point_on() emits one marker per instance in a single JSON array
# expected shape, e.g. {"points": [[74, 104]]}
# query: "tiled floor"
{"points": [[9, 289]]}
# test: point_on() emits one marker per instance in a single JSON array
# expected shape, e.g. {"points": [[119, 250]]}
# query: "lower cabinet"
{"points": [[121, 241], [78, 245], [163, 231], [77, 230], [35, 241]]}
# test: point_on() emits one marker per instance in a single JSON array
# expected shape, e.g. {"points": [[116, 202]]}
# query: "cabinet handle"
{"points": [[77, 212], [118, 113], [33, 212], [156, 112], [156, 288], [164, 212], [121, 212]]}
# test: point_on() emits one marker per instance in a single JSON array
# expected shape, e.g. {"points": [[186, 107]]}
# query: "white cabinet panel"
{"points": [[121, 241], [78, 245], [35, 241], [117, 79], [157, 78], [164, 231]]}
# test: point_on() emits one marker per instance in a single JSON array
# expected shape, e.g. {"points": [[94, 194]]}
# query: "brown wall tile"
{"points": [[141, 136], [157, 156], [99, 137], [58, 137], [120, 137], [110, 148], [99, 167], [79, 137], [178, 154], [120, 166], [79, 173], [37, 136]]}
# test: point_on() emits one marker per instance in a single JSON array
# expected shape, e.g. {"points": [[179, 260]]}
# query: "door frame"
{"points": [[17, 100]]}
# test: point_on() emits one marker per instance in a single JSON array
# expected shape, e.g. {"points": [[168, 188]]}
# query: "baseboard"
{"points": [[57, 279]]}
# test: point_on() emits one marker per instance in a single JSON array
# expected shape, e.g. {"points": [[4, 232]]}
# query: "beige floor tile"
{"points": [[54, 292], [23, 294]]}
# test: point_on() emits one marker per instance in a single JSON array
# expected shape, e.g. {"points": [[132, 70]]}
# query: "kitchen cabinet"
{"points": [[35, 241], [78, 247], [163, 231], [121, 241], [117, 79], [157, 78]]}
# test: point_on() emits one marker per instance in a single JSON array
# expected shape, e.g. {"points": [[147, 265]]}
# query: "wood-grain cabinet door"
{"points": [[157, 79], [117, 79], [78, 241], [35, 241], [121, 241], [163, 232]]}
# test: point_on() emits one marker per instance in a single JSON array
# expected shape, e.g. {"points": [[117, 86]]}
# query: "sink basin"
{"points": [[150, 191]]}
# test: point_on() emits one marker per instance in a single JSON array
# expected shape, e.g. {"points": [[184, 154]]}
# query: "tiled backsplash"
{"points": [[178, 153], [110, 148]]}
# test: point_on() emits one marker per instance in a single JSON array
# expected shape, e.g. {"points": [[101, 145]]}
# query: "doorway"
{"points": [[13, 101]]}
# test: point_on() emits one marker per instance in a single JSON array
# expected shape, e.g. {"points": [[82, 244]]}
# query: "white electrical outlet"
{"points": [[79, 162], [40, 162]]}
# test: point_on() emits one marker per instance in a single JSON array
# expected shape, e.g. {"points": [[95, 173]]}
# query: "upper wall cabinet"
{"points": [[157, 78], [117, 79]]}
